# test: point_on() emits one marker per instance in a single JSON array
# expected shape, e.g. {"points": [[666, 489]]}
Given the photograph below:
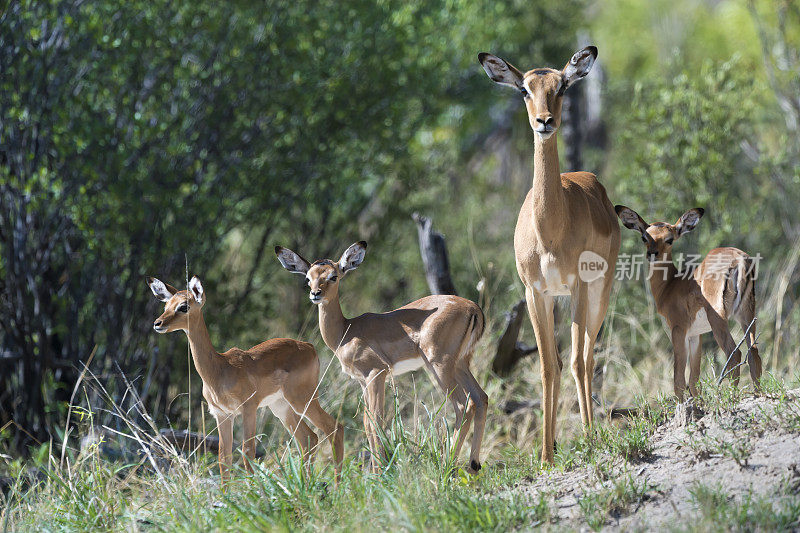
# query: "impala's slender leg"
{"points": [[753, 357], [719, 326], [325, 422], [540, 308], [249, 417], [679, 361], [579, 304], [295, 425], [478, 407], [598, 306], [454, 390], [693, 352], [555, 386], [373, 415], [225, 430]]}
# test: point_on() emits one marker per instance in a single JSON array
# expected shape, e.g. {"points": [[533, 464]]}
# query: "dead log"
{"points": [[509, 349], [433, 249], [514, 406]]}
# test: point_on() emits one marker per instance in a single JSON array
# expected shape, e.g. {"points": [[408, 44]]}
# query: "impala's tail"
{"points": [[474, 332], [742, 279]]}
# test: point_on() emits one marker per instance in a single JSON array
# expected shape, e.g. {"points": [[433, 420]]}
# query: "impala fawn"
{"points": [[722, 287], [438, 332], [281, 374]]}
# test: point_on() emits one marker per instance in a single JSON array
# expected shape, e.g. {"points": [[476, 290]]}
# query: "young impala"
{"points": [[722, 287], [438, 332], [281, 374], [565, 222]]}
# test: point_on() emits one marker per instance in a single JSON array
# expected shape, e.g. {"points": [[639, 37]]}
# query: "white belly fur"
{"points": [[407, 365], [217, 407], [269, 400], [700, 324]]}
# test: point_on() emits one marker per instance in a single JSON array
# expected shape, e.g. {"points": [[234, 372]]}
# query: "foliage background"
{"points": [[179, 138]]}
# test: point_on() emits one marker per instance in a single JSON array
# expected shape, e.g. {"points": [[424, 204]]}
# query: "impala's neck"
{"points": [[332, 322], [662, 272], [548, 194], [206, 359]]}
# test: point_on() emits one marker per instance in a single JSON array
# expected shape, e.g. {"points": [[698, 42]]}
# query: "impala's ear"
{"points": [[500, 71], [631, 219], [353, 256], [292, 261], [689, 220], [579, 65], [161, 290], [196, 290]]}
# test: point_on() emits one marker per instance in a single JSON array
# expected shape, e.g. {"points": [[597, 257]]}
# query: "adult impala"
{"points": [[281, 374], [722, 287], [438, 332], [566, 219]]}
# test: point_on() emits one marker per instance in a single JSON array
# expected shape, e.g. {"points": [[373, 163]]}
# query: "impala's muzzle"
{"points": [[315, 296], [158, 325]]}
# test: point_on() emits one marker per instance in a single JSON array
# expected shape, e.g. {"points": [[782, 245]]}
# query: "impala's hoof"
{"points": [[474, 466]]}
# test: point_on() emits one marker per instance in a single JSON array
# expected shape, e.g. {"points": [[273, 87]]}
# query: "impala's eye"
{"points": [[669, 241], [333, 279], [183, 308], [523, 92], [644, 240], [308, 282]]}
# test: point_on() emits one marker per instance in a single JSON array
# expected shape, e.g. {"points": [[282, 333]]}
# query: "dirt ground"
{"points": [[750, 449]]}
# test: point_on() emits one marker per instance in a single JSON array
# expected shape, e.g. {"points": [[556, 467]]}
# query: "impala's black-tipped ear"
{"points": [[353, 256], [501, 71], [579, 65], [689, 220], [196, 290], [292, 261], [631, 219], [161, 290]]}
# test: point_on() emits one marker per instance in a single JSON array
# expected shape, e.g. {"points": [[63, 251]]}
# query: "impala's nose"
{"points": [[547, 120], [158, 325], [316, 295]]}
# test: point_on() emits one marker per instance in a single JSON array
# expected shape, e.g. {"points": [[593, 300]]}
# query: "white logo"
{"points": [[591, 266]]}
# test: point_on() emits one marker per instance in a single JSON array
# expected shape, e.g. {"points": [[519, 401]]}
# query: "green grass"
{"points": [[421, 486], [715, 510], [413, 494]]}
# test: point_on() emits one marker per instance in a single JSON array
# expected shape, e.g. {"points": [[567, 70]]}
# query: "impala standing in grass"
{"points": [[722, 287], [438, 332], [566, 220], [281, 374]]}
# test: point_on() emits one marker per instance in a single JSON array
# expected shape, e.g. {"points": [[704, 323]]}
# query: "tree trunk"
{"points": [[509, 349], [433, 249]]}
